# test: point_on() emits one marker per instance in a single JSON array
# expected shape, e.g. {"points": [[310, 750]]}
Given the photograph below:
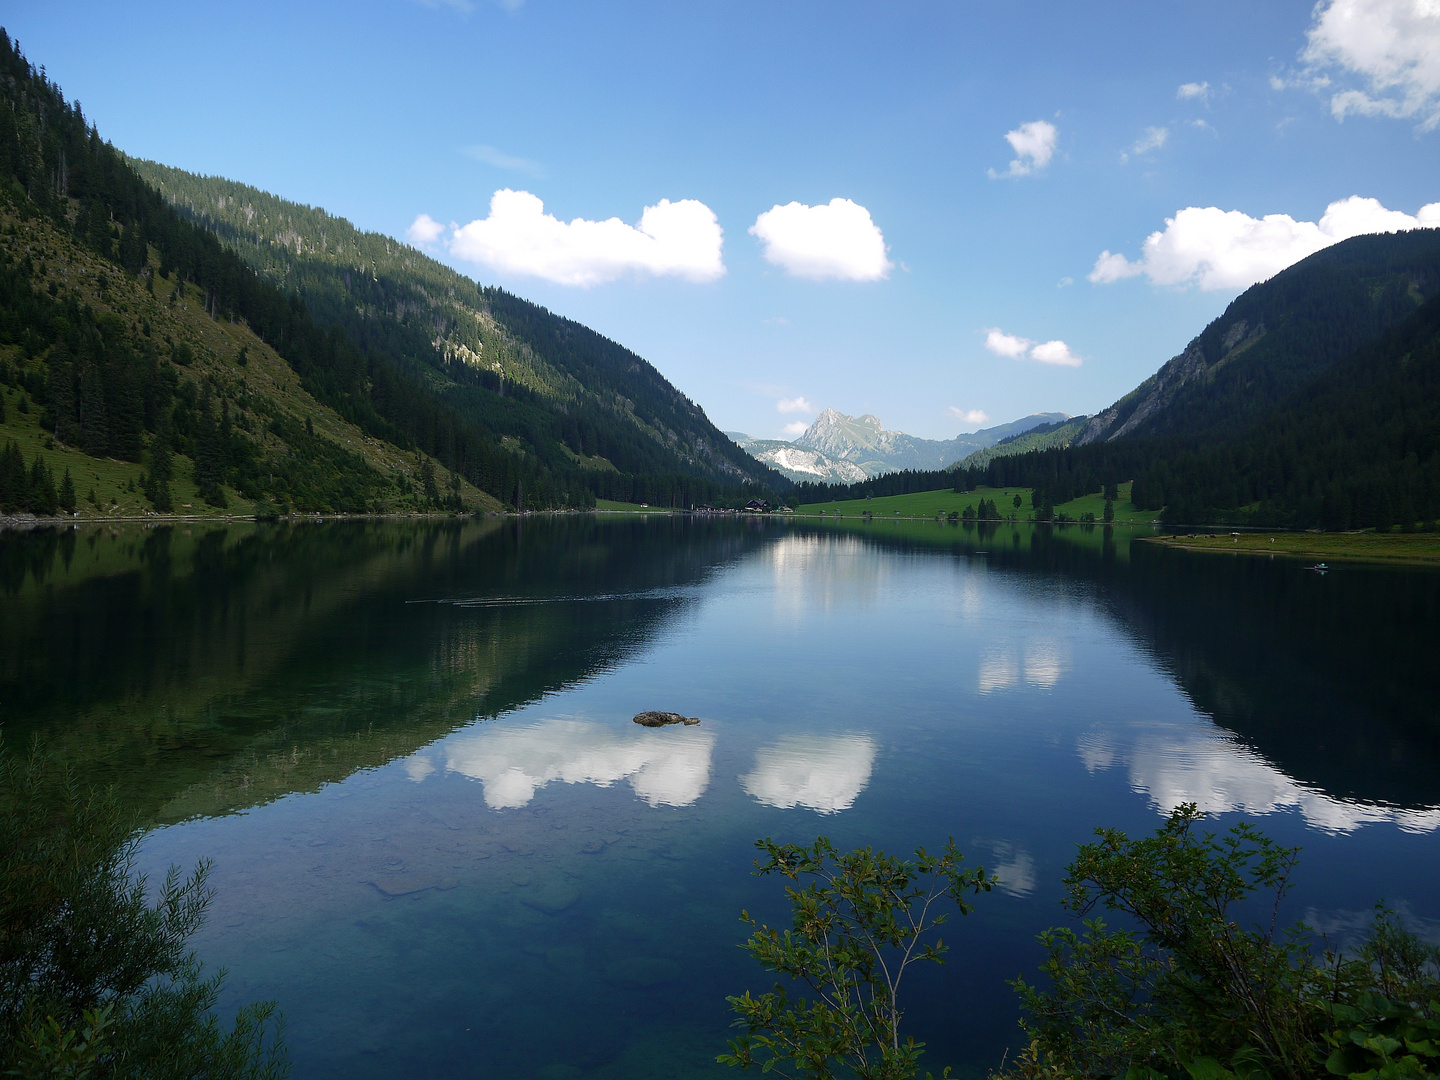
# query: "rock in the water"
{"points": [[660, 719]]}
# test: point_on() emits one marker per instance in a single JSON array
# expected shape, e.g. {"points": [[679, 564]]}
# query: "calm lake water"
{"points": [[443, 847]]}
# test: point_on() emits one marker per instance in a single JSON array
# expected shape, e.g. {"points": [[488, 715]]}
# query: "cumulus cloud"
{"points": [[835, 240], [795, 404], [1034, 146], [1219, 249], [968, 416], [664, 767], [1391, 46], [1055, 352], [796, 427], [1193, 91], [822, 773], [424, 230], [1014, 347], [673, 239], [1007, 345]]}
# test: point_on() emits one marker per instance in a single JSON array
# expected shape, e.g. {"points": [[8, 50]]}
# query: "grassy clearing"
{"points": [[1125, 511], [921, 504], [928, 504], [1392, 548]]}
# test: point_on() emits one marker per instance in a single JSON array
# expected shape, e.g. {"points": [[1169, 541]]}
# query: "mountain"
{"points": [[584, 410], [796, 463], [1277, 336], [1040, 437], [1313, 401], [864, 443], [144, 369], [381, 379]]}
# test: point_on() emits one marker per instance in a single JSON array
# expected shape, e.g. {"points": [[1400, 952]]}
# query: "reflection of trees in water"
{"points": [[1331, 678], [219, 667]]}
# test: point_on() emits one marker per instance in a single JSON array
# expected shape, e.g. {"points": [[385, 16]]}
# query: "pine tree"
{"points": [[43, 500], [14, 488], [67, 492], [157, 483], [209, 460]]}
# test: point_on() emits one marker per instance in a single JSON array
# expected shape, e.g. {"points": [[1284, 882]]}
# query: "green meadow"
{"points": [[943, 502]]}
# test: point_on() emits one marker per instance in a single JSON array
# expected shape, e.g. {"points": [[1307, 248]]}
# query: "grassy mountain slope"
{"points": [[80, 340], [1278, 335], [582, 406], [1060, 433]]}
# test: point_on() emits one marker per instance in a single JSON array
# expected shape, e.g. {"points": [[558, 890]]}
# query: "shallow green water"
{"points": [[442, 845]]}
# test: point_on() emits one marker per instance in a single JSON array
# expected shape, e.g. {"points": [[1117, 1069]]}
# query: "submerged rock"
{"points": [[660, 719]]}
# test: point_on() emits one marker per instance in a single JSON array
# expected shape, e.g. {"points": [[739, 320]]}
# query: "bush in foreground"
{"points": [[96, 980], [1183, 991]]}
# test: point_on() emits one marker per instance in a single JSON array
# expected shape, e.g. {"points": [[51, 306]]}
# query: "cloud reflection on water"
{"points": [[1039, 661], [825, 773], [666, 767], [1172, 763]]}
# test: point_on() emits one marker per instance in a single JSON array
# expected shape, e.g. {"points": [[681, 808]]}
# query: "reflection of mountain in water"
{"points": [[208, 669], [1327, 685]]}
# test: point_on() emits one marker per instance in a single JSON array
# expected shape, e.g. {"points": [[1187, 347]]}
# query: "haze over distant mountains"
{"points": [[845, 449]]}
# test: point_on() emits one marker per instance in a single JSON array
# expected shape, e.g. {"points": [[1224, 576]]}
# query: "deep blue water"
{"points": [[443, 847]]}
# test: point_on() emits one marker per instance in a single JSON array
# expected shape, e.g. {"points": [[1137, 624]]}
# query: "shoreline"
{"points": [[1391, 549]]}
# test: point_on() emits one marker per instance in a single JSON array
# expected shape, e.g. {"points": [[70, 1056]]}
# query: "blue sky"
{"points": [[946, 283]]}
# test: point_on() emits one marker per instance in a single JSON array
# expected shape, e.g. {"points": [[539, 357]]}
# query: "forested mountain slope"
{"points": [[1059, 433], [125, 363], [1314, 401], [580, 404], [1278, 335]]}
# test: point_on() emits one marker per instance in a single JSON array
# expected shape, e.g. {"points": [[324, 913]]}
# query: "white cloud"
{"points": [[1394, 48], [821, 773], [1055, 352], [1153, 139], [795, 404], [1192, 91], [665, 767], [1218, 249], [1034, 146], [795, 427], [1008, 345], [489, 155], [424, 230], [674, 239], [1013, 347], [1065, 282], [835, 240], [968, 416]]}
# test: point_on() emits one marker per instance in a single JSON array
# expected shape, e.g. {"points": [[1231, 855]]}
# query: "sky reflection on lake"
{"points": [[443, 847]]}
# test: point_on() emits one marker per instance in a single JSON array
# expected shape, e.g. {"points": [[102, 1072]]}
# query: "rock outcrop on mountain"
{"points": [[1155, 395], [797, 463], [1278, 336], [850, 448]]}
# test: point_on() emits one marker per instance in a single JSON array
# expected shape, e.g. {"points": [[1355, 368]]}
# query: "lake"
{"points": [[443, 847]]}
